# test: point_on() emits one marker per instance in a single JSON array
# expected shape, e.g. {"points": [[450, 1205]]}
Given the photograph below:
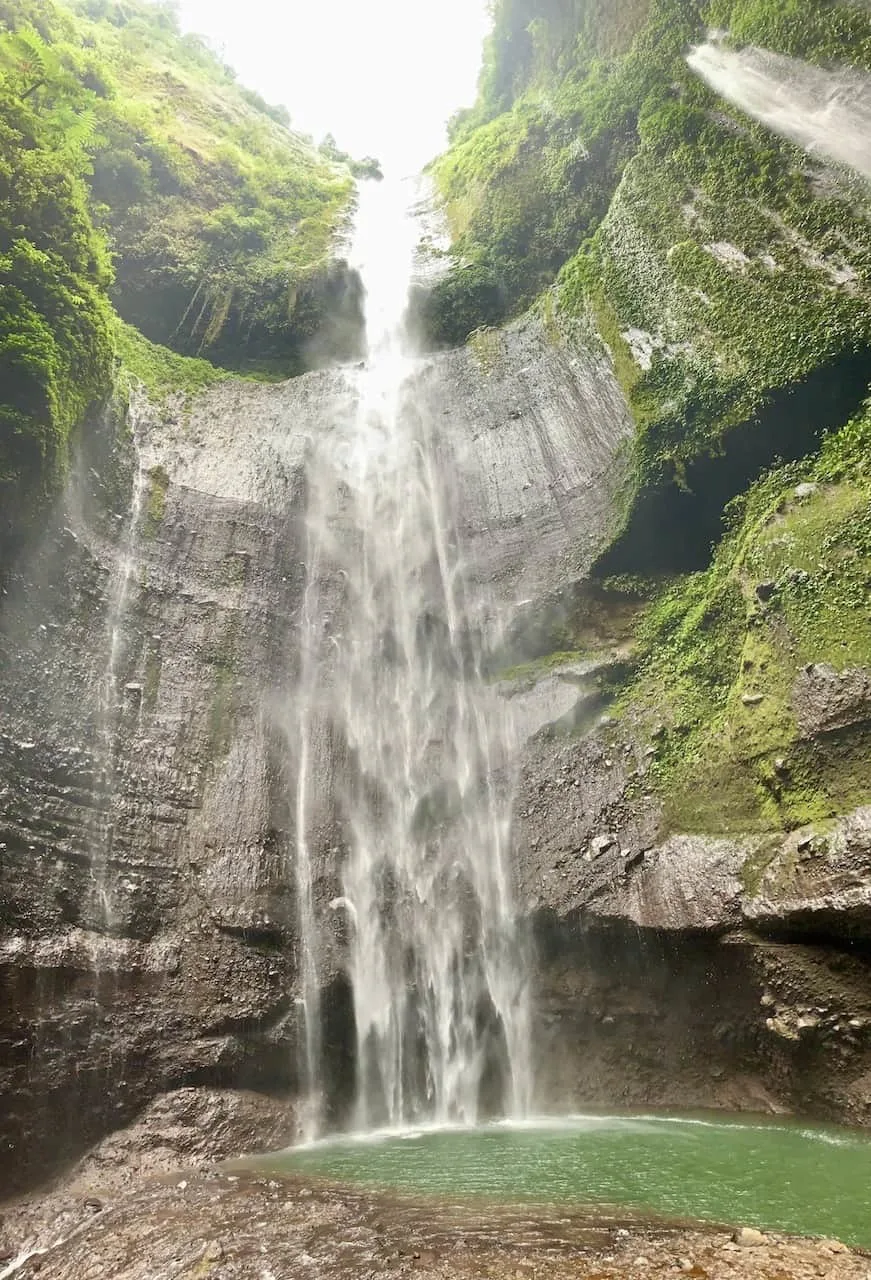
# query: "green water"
{"points": [[776, 1175]]}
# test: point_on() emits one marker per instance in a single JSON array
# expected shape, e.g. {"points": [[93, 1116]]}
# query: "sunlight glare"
{"points": [[383, 76]]}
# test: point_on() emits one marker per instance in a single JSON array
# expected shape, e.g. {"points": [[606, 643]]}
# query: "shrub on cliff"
{"points": [[134, 170], [55, 331]]}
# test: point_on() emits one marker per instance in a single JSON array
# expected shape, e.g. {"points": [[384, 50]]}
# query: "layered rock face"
{"points": [[150, 740], [145, 905], [689, 970], [149, 729]]}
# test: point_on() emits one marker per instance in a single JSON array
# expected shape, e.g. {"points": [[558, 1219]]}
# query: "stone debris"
{"points": [[245, 1227], [748, 1237], [602, 844]]}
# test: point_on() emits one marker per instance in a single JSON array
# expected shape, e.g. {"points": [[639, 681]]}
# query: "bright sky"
{"points": [[383, 76]]}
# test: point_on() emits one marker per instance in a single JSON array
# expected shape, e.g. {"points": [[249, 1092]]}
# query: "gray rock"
{"points": [[749, 1237], [825, 700], [147, 897]]}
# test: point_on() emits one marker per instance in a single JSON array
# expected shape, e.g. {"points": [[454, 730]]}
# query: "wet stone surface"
{"points": [[224, 1225]]}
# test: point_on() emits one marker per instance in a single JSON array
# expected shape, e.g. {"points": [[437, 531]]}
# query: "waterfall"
{"points": [[111, 692], [434, 956], [825, 112]]}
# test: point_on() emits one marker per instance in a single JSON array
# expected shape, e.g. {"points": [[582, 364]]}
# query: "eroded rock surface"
{"points": [[689, 970], [149, 720]]}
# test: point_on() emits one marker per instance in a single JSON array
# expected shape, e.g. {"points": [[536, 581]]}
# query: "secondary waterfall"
{"points": [[112, 692], [828, 112], [433, 954]]}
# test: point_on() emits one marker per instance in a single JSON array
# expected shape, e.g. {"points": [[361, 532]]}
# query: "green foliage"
{"points": [[730, 276], [162, 372], [523, 190], [55, 333], [158, 488], [221, 221], [719, 665], [533, 168], [368, 167], [134, 169], [594, 149], [816, 31], [465, 300], [719, 248]]}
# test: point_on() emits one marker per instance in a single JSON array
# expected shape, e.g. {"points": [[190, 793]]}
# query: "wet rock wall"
{"points": [[149, 734]]}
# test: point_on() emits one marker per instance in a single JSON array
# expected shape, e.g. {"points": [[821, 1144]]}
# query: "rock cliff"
{"points": [[691, 837], [691, 815], [149, 736]]}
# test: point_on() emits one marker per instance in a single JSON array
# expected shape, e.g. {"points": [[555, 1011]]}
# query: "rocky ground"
{"points": [[224, 1225], [149, 1203]]}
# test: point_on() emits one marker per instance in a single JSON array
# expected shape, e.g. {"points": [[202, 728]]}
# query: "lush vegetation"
{"points": [[722, 651], [730, 276], [571, 92], [134, 171], [723, 267], [55, 321], [222, 221]]}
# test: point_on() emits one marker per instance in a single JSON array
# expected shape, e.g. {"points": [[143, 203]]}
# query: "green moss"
{"points": [[753, 869], [687, 231], [223, 221], [162, 372], [715, 247], [818, 552], [531, 672], [720, 663], [818, 32], [486, 346], [158, 487], [730, 277], [118, 133], [533, 169], [55, 335]]}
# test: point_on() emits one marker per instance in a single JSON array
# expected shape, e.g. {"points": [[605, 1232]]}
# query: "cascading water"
{"points": [[827, 112], [435, 962]]}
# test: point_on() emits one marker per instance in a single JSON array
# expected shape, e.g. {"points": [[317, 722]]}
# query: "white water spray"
{"points": [[438, 977], [826, 112]]}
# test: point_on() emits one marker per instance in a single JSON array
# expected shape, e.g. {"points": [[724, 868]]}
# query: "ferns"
{"points": [[48, 85], [73, 131], [27, 59]]}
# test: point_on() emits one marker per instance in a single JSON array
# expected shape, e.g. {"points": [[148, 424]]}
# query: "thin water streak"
{"points": [[111, 687]]}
